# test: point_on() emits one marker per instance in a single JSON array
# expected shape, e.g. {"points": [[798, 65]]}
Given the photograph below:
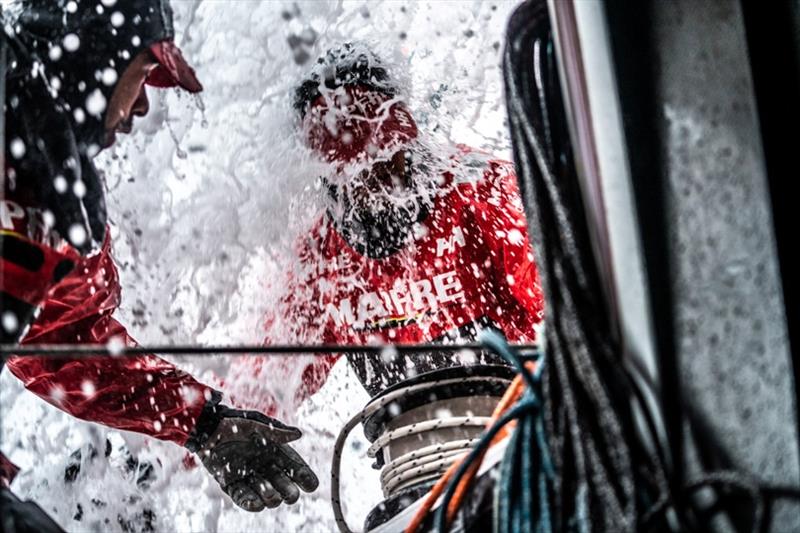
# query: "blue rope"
{"points": [[526, 471], [483, 443]]}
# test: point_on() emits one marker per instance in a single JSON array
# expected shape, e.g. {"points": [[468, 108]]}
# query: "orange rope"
{"points": [[510, 397]]}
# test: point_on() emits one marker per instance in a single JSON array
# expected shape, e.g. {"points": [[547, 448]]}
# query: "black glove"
{"points": [[249, 456]]}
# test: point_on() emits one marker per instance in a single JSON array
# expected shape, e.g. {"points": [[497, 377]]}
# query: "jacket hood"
{"points": [[84, 46], [63, 61]]}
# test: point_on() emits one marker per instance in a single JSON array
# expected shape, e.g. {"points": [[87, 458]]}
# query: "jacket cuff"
{"points": [[206, 423], [8, 471]]}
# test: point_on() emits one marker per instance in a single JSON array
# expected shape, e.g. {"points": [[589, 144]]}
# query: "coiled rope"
{"points": [[417, 466], [526, 456], [425, 463]]}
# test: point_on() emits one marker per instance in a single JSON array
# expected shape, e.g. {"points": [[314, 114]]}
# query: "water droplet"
{"points": [[60, 184], [179, 152], [96, 103], [10, 322], [388, 354], [57, 393], [77, 235], [79, 188], [71, 42], [55, 53], [17, 148], [117, 19], [198, 100], [109, 76], [115, 345], [88, 388]]}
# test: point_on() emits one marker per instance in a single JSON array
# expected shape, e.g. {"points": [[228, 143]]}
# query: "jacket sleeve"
{"points": [[307, 329], [145, 394], [505, 232]]}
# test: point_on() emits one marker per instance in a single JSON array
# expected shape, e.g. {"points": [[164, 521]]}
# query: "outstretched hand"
{"points": [[249, 455]]}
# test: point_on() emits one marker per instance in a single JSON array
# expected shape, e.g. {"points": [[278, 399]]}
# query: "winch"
{"points": [[418, 428]]}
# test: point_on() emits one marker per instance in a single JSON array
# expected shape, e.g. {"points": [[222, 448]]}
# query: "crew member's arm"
{"points": [[144, 394], [299, 326], [295, 320]]}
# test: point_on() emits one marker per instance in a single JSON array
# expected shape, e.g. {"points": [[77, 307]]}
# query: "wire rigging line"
{"points": [[91, 350]]}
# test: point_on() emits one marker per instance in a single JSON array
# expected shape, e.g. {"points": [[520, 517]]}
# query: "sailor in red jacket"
{"points": [[415, 246], [57, 278]]}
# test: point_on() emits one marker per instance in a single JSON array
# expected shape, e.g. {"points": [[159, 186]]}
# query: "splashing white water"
{"points": [[206, 201]]}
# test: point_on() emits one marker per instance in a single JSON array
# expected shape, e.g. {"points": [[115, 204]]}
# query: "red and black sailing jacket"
{"points": [[73, 298]]}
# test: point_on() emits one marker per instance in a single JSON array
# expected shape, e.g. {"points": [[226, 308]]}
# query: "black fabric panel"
{"points": [[21, 310], [19, 252]]}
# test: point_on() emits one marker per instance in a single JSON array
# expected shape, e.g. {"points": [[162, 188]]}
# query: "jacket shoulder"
{"points": [[483, 173]]}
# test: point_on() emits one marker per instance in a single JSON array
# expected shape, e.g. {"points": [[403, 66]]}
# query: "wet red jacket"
{"points": [[143, 394], [470, 260]]}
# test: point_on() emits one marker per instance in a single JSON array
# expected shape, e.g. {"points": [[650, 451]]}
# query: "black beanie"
{"points": [[345, 65]]}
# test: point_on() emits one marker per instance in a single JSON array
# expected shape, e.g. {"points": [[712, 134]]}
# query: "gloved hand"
{"points": [[248, 454]]}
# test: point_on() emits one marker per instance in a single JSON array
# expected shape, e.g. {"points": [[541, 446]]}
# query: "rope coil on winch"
{"points": [[527, 456], [422, 465], [415, 467], [425, 463]]}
